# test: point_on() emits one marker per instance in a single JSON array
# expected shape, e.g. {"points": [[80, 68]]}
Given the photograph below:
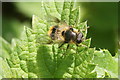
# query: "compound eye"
{"points": [[79, 38], [79, 41], [80, 35], [63, 33]]}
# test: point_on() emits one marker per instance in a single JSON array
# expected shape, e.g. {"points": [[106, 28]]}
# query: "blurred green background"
{"points": [[102, 18]]}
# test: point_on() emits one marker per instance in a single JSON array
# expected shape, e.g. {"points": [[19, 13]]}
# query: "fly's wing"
{"points": [[43, 39], [42, 34], [54, 20], [51, 18]]}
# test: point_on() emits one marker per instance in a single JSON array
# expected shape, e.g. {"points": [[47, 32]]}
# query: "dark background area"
{"points": [[102, 18], [103, 21]]}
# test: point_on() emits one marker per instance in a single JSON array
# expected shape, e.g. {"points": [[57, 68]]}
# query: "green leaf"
{"points": [[118, 63], [29, 53], [74, 16], [105, 64], [59, 6], [65, 67], [87, 42], [40, 29], [5, 71], [45, 62], [5, 51], [83, 66], [50, 8], [5, 48], [66, 12]]}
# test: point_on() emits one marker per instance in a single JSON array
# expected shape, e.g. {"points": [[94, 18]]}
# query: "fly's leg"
{"points": [[65, 50], [61, 45], [68, 46]]}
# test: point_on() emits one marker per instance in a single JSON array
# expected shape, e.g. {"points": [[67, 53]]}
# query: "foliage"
{"points": [[31, 57]]}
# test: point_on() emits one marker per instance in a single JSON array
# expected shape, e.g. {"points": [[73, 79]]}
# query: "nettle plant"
{"points": [[30, 57]]}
